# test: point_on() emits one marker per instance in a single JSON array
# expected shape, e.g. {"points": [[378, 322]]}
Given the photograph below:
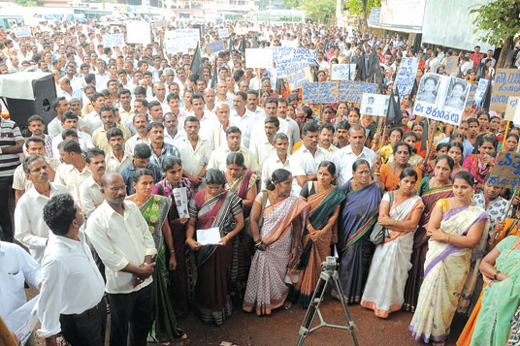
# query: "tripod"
{"points": [[328, 273]]}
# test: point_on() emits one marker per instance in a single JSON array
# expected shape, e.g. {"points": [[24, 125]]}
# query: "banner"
{"points": [[442, 98], [320, 92], [343, 72], [506, 172], [351, 91], [113, 40], [512, 107], [375, 104], [24, 31], [302, 54], [507, 83], [406, 76], [282, 57], [259, 58], [138, 32], [181, 40], [215, 47], [298, 74], [223, 33]]}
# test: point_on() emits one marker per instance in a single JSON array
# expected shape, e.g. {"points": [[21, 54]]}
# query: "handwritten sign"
{"points": [[223, 33], [406, 76], [24, 31], [481, 89], [506, 172], [320, 92], [113, 40], [512, 107], [282, 57], [181, 40], [138, 32], [259, 58], [302, 54], [471, 96], [215, 47], [452, 65], [375, 104], [507, 83], [343, 71], [298, 74], [351, 91]]}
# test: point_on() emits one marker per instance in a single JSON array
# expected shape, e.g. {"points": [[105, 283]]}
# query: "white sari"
{"points": [[384, 291]]}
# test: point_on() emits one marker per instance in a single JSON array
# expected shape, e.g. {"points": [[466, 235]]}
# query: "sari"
{"points": [[477, 168], [164, 325], [213, 261], [357, 217], [266, 286], [321, 232], [242, 184], [445, 273], [390, 180], [430, 196], [181, 289], [384, 291]]}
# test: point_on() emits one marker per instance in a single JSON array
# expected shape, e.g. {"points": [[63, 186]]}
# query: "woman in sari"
{"points": [[456, 152], [399, 213], [155, 210], [431, 190], [358, 216], [321, 230], [511, 142], [240, 180], [181, 288], [479, 165], [277, 221], [389, 173], [455, 227], [213, 207]]}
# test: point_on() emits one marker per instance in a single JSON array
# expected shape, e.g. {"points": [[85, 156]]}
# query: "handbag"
{"points": [[379, 233]]}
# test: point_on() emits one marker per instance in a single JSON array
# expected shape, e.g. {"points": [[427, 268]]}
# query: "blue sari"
{"points": [[358, 216]]}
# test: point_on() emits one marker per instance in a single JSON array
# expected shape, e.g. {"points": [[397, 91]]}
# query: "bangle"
{"points": [[496, 275], [172, 251], [188, 240], [447, 238]]}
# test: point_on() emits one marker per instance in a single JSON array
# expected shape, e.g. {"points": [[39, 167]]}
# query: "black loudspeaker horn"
{"points": [[43, 91]]}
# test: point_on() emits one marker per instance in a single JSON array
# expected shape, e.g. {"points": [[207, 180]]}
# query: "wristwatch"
{"points": [[1, 152]]}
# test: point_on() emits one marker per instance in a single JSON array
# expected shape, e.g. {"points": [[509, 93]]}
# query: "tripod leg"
{"points": [[351, 324]]}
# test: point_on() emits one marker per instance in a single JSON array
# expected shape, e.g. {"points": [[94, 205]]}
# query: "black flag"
{"points": [[393, 112], [424, 139], [196, 64], [242, 46], [214, 78], [486, 98]]}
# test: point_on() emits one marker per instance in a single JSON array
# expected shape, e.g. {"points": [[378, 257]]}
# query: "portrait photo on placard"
{"points": [[428, 89], [456, 93]]}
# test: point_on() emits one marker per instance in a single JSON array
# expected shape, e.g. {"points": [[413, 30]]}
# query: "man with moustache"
{"points": [[217, 131], [37, 127], [117, 159], [325, 139], [120, 236], [73, 171], [160, 149], [30, 229], [263, 146], [140, 123], [171, 125], [342, 135], [108, 117], [70, 120], [90, 190], [233, 138], [278, 160]]}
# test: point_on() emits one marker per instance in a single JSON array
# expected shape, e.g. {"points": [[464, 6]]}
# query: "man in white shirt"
{"points": [[263, 146], [140, 122], [206, 119], [345, 157], [305, 161], [69, 120], [216, 133], [120, 236], [92, 119], [196, 148], [71, 299], [242, 117], [117, 159], [293, 130], [233, 138], [252, 104], [222, 95], [60, 105], [278, 160], [30, 229], [90, 190]]}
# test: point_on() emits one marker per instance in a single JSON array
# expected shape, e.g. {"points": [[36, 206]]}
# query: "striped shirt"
{"points": [[9, 135]]}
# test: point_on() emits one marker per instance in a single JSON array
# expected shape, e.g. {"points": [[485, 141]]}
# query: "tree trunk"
{"points": [[365, 16], [505, 60]]}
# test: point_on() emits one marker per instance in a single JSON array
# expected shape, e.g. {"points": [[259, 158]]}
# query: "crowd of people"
{"points": [[414, 220]]}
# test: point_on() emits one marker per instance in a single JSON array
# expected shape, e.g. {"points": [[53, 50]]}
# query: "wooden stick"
{"points": [[505, 136], [5, 334], [517, 190], [518, 147]]}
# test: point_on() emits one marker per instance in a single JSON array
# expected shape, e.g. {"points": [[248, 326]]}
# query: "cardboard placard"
{"points": [[259, 58], [298, 74], [507, 83], [215, 47], [512, 107], [406, 75], [181, 40], [320, 92], [351, 91], [506, 172], [223, 33], [343, 72], [375, 104], [138, 32], [452, 66], [113, 40], [24, 31]]}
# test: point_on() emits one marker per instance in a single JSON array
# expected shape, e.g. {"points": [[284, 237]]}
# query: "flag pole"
{"points": [[505, 135]]}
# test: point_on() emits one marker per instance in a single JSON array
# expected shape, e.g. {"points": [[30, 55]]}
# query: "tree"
{"points": [[319, 11], [499, 23], [362, 7]]}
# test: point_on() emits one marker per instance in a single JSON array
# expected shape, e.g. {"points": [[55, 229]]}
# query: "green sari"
{"points": [[164, 326]]}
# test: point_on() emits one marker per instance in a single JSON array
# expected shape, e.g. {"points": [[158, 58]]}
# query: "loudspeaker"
{"points": [[44, 91]]}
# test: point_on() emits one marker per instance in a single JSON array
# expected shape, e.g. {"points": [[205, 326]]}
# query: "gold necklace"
{"points": [[505, 257]]}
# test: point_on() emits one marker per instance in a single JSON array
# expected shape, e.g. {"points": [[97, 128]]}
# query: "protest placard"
{"points": [[215, 47], [160, 23], [282, 57], [375, 104], [507, 83], [297, 74], [343, 72], [138, 32], [506, 172], [471, 96], [181, 40], [481, 89], [442, 98], [113, 40], [351, 91], [223, 33], [320, 92], [24, 31], [259, 58], [452, 66], [406, 76], [302, 54], [512, 107], [289, 43]]}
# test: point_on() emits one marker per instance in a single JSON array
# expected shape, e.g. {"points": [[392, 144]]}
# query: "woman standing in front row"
{"points": [[455, 227], [358, 216], [399, 212]]}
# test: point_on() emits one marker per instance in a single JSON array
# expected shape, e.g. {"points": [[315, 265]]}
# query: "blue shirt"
{"points": [[167, 150]]}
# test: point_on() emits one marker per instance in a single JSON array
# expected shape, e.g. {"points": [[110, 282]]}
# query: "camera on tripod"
{"points": [[331, 263]]}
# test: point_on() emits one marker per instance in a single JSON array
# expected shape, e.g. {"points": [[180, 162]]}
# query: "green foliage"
{"points": [[291, 3], [28, 3], [497, 20], [316, 10], [356, 6]]}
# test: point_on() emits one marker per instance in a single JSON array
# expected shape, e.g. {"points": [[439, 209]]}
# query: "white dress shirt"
{"points": [[262, 149], [198, 157], [120, 240], [20, 181], [90, 195], [245, 124], [345, 158], [304, 163], [29, 227], [16, 265], [72, 178], [133, 141], [71, 282], [216, 134], [219, 156], [271, 164], [84, 140], [93, 122], [116, 166]]}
